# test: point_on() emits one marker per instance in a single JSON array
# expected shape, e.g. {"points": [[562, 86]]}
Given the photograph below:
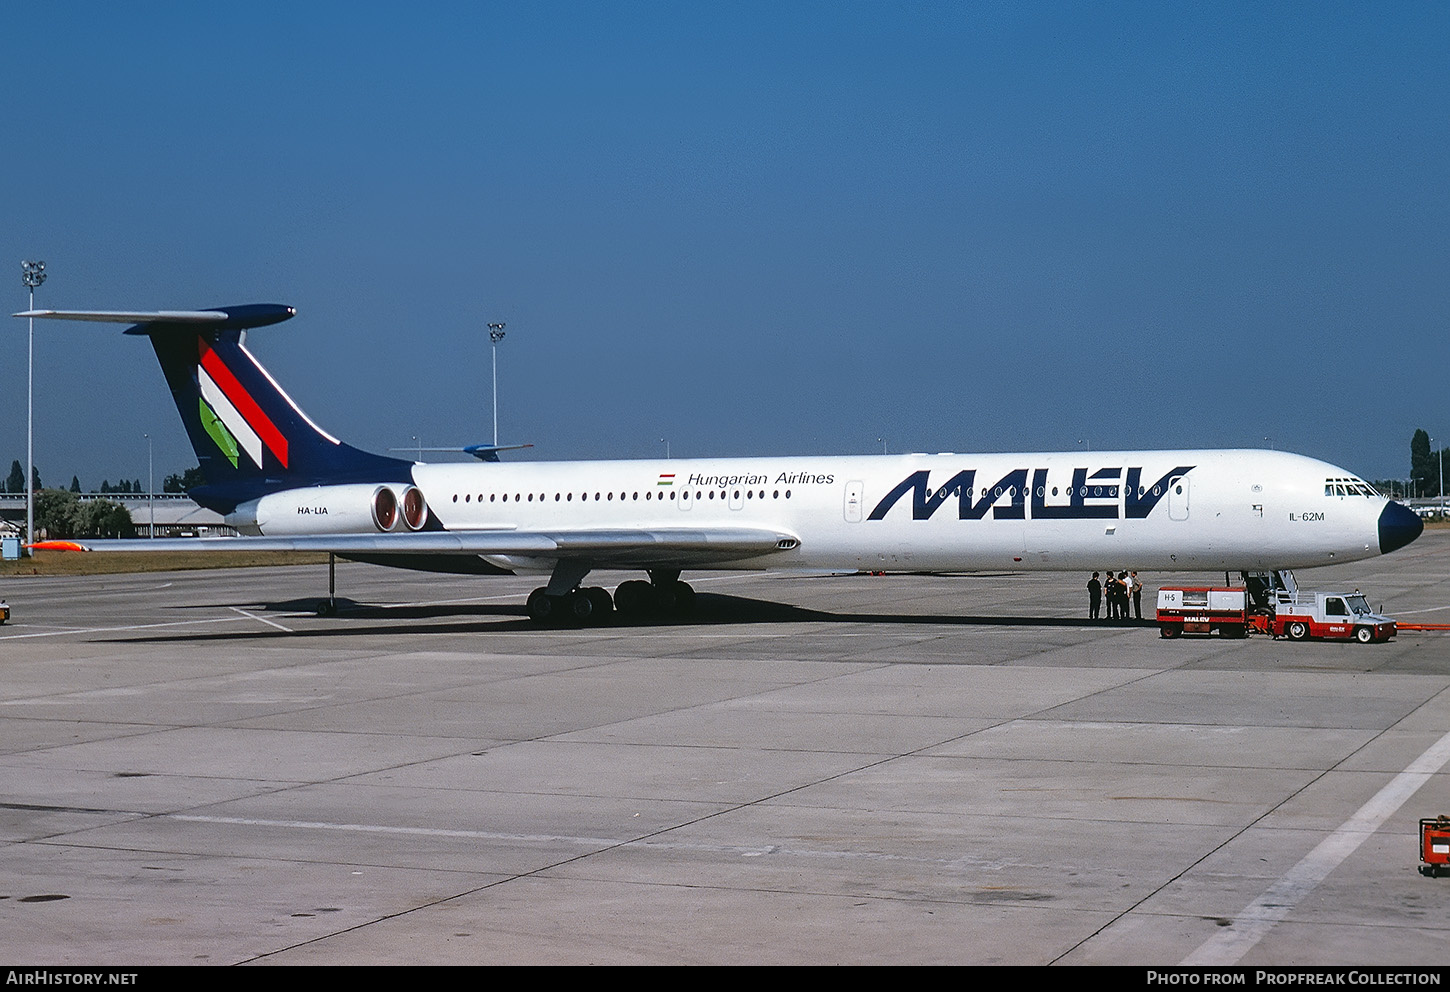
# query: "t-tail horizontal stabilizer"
{"points": [[221, 318], [250, 439]]}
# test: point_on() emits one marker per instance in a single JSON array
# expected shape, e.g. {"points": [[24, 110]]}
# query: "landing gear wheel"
{"points": [[684, 599], [1298, 630], [542, 607], [578, 607], [603, 602], [327, 608], [1170, 630], [1363, 635], [669, 597], [634, 598]]}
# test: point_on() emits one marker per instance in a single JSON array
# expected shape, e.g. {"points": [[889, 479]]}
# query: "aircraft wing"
{"points": [[601, 548]]}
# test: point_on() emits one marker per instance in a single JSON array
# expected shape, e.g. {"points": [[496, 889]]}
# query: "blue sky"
{"points": [[750, 228]]}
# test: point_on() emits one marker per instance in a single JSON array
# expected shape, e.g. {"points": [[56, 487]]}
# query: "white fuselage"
{"points": [[1159, 510]]}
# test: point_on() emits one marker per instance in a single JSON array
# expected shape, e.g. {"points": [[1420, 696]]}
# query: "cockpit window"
{"points": [[1348, 487]]}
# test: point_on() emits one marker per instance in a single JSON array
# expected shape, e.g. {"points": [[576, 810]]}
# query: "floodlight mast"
{"points": [[495, 335], [150, 488], [1440, 456], [33, 274]]}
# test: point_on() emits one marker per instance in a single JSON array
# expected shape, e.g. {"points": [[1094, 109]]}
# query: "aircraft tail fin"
{"points": [[250, 438]]}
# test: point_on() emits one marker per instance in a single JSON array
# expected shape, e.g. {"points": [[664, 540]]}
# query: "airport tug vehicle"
{"points": [[1334, 616]]}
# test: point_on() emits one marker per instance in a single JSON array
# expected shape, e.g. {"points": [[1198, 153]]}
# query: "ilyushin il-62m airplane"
{"points": [[277, 476]]}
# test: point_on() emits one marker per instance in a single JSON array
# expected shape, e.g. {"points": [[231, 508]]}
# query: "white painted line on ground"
{"points": [[1227, 947], [376, 828], [108, 630], [652, 843], [253, 616]]}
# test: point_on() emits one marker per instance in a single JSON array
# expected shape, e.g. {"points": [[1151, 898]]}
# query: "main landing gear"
{"points": [[578, 607], [328, 607], [663, 595]]}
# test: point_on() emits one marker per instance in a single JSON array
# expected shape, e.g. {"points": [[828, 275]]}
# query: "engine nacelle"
{"points": [[366, 508]]}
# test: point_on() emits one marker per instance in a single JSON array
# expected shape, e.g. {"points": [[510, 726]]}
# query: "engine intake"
{"points": [[385, 509], [415, 508]]}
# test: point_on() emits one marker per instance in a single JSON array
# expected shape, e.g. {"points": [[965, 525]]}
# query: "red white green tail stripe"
{"points": [[231, 417]]}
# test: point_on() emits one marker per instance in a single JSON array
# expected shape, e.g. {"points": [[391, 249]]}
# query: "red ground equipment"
{"points": [[1202, 610], [1435, 846]]}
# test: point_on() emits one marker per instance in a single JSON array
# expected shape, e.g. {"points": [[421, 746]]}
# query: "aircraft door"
{"points": [[1178, 498], [686, 498], [854, 491]]}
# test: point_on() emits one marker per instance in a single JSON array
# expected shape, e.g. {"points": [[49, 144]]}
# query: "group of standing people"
{"points": [[1118, 590]]}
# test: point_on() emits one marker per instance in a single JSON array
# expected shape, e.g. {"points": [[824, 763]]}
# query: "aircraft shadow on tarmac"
{"points": [[711, 609]]}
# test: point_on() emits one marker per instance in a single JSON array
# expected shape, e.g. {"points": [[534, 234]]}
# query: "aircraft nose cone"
{"points": [[1399, 525]]}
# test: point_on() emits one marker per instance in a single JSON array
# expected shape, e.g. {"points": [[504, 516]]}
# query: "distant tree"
{"points": [[34, 478], [1423, 470], [15, 481], [75, 484], [185, 482], [102, 518], [60, 514], [55, 513]]}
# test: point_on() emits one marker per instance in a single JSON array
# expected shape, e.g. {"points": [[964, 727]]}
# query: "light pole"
{"points": [[495, 335], [666, 442], [150, 488], [34, 275]]}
